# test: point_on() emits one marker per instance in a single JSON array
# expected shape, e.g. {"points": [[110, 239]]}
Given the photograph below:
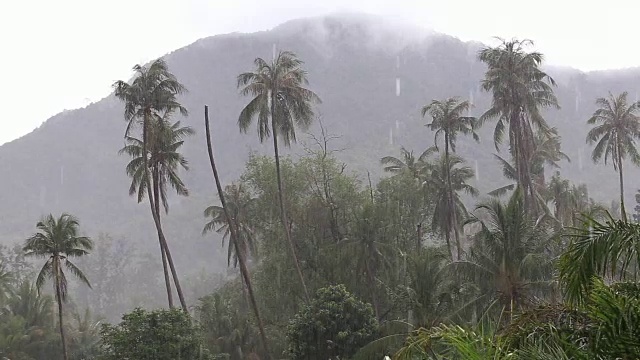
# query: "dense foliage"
{"points": [[334, 325]]}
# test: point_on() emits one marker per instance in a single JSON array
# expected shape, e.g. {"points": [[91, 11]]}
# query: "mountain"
{"points": [[373, 77]]}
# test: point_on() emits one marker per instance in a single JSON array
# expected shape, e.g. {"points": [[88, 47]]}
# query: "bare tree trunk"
{"points": [[283, 213], [167, 280], [56, 269], [156, 220], [234, 237]]}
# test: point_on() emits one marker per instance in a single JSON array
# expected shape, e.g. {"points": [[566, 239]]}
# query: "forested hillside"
{"points": [[379, 224]]}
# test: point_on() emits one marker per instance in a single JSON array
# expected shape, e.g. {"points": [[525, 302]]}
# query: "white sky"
{"points": [[63, 54]]}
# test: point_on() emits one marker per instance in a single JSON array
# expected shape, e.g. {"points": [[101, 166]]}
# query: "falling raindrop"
{"points": [[397, 86], [398, 62], [470, 101], [390, 136], [397, 124], [274, 51]]}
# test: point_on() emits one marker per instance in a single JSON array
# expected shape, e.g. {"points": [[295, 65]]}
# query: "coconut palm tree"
{"points": [[449, 207], [164, 161], [239, 203], [416, 167], [448, 121], [547, 153], [617, 126], [507, 261], [57, 241], [520, 90], [280, 102], [150, 96]]}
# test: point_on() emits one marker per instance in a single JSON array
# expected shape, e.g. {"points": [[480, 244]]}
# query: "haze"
{"points": [[65, 54]]}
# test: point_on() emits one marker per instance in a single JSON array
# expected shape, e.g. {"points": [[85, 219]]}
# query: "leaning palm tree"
{"points": [[279, 102], [449, 207], [57, 240], [164, 161], [239, 203], [520, 90], [152, 94], [617, 126], [448, 121]]}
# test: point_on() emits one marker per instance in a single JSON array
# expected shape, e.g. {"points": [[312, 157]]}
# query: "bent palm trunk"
{"points": [[234, 236]]}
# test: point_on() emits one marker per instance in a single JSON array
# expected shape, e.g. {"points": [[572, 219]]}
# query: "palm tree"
{"points": [[546, 153], [239, 202], [164, 161], [520, 90], [234, 237], [416, 167], [617, 126], [507, 261], [609, 248], [280, 102], [449, 207], [57, 240], [449, 121], [150, 96]]}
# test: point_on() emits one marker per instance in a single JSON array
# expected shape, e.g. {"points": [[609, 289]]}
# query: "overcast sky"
{"points": [[63, 54]]}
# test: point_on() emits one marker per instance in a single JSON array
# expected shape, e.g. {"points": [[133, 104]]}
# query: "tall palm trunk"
{"points": [[156, 220], [167, 280], [623, 212], [234, 236], [283, 213], [450, 200], [56, 269]]}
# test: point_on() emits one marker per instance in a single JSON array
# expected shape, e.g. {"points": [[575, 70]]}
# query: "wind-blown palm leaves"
{"points": [[520, 90], [279, 102], [416, 167], [151, 97], [508, 261], [239, 203], [164, 161], [448, 205], [617, 126], [448, 121], [609, 248], [57, 241]]}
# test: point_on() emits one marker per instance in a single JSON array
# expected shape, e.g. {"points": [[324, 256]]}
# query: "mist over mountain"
{"points": [[373, 77]]}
